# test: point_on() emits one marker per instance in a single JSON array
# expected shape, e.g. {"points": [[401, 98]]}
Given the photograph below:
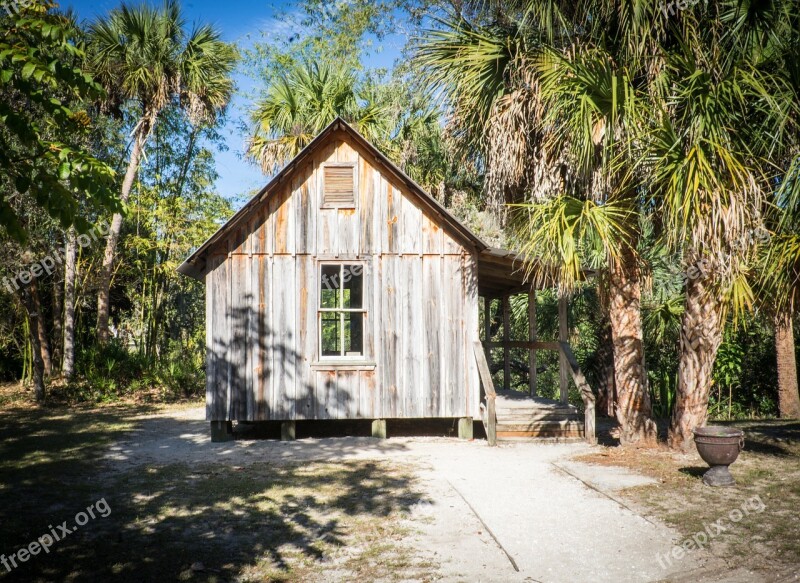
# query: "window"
{"points": [[338, 190], [341, 310]]}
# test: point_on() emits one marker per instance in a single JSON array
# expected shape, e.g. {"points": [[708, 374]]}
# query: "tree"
{"points": [[146, 58], [176, 208], [48, 173], [43, 88], [788, 397], [779, 283], [716, 107], [302, 101], [70, 275], [779, 265]]}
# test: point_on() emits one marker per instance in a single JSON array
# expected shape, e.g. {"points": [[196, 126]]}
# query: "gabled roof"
{"points": [[500, 271], [194, 265]]}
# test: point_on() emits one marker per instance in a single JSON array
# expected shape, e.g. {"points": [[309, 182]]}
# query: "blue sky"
{"points": [[242, 23]]}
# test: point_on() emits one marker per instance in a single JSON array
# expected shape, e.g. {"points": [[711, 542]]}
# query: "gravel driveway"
{"points": [[519, 512]]}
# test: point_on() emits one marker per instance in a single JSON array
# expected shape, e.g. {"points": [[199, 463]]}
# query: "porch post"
{"points": [[532, 337], [506, 339], [563, 336], [487, 326]]}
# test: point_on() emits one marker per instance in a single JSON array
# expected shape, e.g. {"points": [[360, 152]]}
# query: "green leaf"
{"points": [[28, 69]]}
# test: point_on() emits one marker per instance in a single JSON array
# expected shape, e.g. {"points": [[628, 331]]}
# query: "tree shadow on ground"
{"points": [[694, 471], [271, 521], [772, 437]]}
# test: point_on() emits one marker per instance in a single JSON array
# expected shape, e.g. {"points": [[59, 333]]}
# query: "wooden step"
{"points": [[534, 406], [520, 416], [538, 416], [503, 433], [565, 425], [542, 438]]}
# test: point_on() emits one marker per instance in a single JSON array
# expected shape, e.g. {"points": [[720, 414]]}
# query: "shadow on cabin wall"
{"points": [[247, 344], [253, 342]]}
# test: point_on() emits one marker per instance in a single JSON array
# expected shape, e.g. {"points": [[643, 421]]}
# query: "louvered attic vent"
{"points": [[338, 189]]}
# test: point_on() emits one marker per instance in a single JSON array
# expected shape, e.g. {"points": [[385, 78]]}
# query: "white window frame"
{"points": [[342, 311]]}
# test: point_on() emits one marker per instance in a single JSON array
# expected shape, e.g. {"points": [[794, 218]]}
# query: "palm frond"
{"points": [[572, 233]]}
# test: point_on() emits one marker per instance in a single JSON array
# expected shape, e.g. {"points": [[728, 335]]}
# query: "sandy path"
{"points": [[522, 504]]}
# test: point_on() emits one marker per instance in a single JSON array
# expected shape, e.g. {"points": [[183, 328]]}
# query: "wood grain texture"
{"points": [[390, 336], [306, 346], [263, 349], [472, 334], [434, 348], [490, 418]]}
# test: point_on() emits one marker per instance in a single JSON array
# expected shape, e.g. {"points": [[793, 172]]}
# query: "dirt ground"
{"points": [[343, 509], [489, 514], [760, 515]]}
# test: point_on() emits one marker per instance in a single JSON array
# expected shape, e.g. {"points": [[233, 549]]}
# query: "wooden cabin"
{"points": [[342, 290]]}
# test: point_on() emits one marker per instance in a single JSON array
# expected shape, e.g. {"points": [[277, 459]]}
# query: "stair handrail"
{"points": [[491, 394], [586, 392]]}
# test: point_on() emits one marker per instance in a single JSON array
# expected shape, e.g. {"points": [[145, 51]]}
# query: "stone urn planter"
{"points": [[719, 447]]}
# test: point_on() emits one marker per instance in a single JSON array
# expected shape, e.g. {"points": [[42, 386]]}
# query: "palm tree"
{"points": [[302, 100], [715, 109], [779, 283], [544, 94], [147, 59], [779, 264]]}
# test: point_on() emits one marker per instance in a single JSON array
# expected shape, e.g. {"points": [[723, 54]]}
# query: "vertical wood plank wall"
{"points": [[421, 300]]}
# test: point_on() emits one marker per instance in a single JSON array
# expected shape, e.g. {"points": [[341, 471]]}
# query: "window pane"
{"points": [[330, 286], [353, 334], [353, 283], [330, 326]]}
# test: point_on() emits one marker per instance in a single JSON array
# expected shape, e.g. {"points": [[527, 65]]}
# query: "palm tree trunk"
{"points": [[107, 268], [788, 397], [701, 336], [633, 409], [70, 274], [607, 391]]}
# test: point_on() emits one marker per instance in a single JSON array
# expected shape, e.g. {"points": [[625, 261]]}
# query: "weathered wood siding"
{"points": [[421, 303]]}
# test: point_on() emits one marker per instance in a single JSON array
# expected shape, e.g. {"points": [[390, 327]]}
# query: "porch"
{"points": [[508, 412]]}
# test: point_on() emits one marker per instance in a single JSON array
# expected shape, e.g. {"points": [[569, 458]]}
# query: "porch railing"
{"points": [[491, 394]]}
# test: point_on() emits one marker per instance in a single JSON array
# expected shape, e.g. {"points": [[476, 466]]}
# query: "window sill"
{"points": [[343, 365]]}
